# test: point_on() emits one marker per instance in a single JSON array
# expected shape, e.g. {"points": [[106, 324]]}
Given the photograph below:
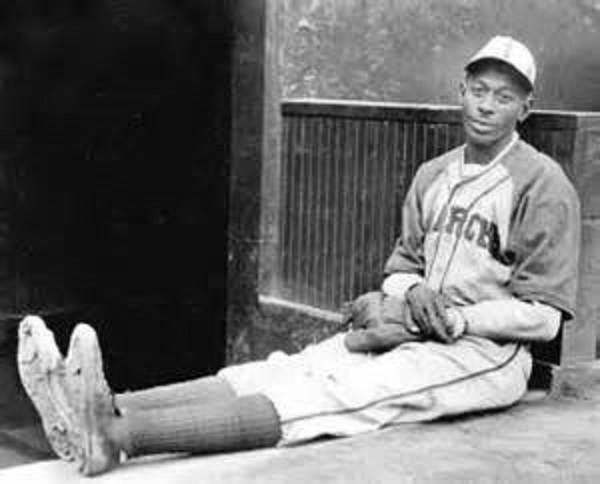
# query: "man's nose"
{"points": [[486, 104]]}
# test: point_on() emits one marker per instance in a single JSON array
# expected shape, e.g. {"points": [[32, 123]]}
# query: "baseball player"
{"points": [[486, 263]]}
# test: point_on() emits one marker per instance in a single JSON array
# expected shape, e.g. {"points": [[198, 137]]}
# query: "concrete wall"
{"points": [[414, 50], [587, 176]]}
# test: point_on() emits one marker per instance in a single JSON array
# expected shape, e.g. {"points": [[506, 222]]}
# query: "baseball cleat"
{"points": [[42, 371], [92, 402]]}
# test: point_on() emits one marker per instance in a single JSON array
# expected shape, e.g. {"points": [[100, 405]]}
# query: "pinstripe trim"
{"points": [[434, 386], [471, 205], [497, 161], [440, 232]]}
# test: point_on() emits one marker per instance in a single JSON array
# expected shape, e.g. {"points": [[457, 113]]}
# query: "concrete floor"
{"points": [[539, 440]]}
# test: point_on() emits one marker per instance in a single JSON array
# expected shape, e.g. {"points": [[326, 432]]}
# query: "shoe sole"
{"points": [[42, 372], [93, 400]]}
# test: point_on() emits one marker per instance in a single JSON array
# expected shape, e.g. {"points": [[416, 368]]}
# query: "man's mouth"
{"points": [[480, 126]]}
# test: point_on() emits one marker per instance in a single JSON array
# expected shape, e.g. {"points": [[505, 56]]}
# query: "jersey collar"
{"points": [[489, 166]]}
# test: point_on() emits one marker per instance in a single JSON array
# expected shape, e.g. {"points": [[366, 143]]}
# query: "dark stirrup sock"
{"points": [[206, 389], [247, 422]]}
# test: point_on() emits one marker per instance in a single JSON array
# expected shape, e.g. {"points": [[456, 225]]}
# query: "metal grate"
{"points": [[345, 170]]}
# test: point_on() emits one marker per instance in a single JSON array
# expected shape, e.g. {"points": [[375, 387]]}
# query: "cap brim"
{"points": [[523, 79]]}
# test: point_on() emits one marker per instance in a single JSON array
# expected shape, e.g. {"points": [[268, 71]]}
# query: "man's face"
{"points": [[493, 102]]}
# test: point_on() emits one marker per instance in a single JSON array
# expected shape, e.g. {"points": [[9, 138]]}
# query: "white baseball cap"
{"points": [[510, 51]]}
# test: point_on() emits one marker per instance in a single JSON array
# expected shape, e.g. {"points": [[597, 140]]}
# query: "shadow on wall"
{"points": [[115, 120]]}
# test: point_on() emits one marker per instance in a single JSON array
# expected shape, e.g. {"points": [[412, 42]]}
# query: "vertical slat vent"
{"points": [[345, 173]]}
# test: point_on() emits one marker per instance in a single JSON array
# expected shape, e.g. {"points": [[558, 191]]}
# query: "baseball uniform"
{"points": [[498, 242]]}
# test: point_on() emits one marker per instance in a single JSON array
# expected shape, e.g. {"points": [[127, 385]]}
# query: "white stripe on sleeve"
{"points": [[398, 283]]}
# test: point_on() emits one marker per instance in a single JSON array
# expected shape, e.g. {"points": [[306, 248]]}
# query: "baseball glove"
{"points": [[378, 323]]}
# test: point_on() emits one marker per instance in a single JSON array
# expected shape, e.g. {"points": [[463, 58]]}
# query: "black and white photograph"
{"points": [[299, 241]]}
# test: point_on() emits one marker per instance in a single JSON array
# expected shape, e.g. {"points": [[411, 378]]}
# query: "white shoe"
{"points": [[92, 401], [43, 374]]}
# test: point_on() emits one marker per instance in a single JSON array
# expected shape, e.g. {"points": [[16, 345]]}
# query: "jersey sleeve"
{"points": [[545, 239], [512, 319], [408, 253]]}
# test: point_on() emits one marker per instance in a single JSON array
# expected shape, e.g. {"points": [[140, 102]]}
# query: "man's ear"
{"points": [[526, 108], [462, 89]]}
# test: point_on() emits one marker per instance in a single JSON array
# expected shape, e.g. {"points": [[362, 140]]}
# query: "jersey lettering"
{"points": [[458, 217], [473, 227], [487, 233], [474, 221]]}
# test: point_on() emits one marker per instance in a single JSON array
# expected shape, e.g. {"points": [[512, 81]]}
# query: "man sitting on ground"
{"points": [[486, 262]]}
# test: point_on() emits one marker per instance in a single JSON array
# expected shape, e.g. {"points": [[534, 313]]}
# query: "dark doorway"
{"points": [[115, 131]]}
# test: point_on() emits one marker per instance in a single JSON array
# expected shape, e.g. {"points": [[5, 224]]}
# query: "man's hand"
{"points": [[374, 309], [365, 311], [426, 309]]}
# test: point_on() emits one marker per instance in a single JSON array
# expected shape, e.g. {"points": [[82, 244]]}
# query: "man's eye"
{"points": [[478, 91], [505, 99]]}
